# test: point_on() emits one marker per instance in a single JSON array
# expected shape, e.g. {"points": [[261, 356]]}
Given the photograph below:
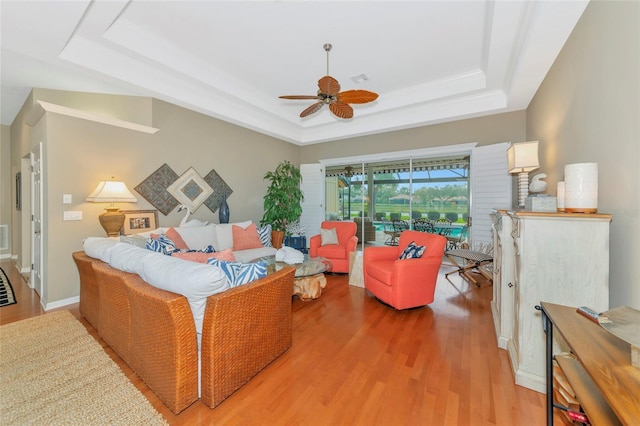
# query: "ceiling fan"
{"points": [[329, 94]]}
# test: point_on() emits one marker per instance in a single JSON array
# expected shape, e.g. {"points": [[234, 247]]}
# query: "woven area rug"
{"points": [[6, 291], [53, 372]]}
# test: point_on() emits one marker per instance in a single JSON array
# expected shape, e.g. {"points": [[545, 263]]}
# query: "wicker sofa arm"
{"points": [[244, 330], [161, 319]]}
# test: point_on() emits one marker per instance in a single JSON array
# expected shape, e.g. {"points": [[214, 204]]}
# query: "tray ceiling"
{"points": [[430, 61]]}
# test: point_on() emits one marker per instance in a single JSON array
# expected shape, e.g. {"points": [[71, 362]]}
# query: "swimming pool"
{"points": [[455, 232]]}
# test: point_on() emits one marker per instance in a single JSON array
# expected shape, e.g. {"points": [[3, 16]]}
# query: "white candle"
{"points": [[581, 188]]}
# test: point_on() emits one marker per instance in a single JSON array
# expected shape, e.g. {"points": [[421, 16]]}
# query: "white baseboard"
{"points": [[531, 381], [60, 303], [6, 256]]}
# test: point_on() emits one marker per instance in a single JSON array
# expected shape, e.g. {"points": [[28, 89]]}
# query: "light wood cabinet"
{"points": [[560, 258]]}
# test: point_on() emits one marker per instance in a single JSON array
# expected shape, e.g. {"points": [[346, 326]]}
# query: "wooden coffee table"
{"points": [[309, 278]]}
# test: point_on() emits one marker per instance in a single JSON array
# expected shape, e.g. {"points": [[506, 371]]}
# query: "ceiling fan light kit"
{"points": [[329, 94]]}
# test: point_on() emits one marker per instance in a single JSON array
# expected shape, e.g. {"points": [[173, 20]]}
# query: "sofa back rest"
{"points": [[115, 314], [89, 289]]}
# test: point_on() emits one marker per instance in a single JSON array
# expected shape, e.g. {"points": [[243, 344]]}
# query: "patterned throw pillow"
{"points": [[265, 235], [412, 251], [161, 244], [240, 273]]}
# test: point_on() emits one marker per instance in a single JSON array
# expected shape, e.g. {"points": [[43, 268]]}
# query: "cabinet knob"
{"points": [[510, 285]]}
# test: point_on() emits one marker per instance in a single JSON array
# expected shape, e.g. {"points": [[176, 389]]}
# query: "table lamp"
{"points": [[523, 158], [109, 191]]}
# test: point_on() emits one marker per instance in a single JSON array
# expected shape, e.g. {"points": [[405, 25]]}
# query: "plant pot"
{"points": [[276, 239]]}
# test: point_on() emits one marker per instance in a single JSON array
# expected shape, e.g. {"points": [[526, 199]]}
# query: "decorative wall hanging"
{"points": [[221, 191], [165, 190], [154, 189], [190, 189]]}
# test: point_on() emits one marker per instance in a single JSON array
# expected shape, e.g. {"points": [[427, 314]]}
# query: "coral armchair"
{"points": [[406, 283], [338, 254]]}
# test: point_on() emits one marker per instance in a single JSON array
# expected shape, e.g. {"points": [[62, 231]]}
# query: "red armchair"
{"points": [[338, 254], [406, 283]]}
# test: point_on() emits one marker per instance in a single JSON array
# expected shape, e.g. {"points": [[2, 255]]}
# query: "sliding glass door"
{"points": [[374, 194]]}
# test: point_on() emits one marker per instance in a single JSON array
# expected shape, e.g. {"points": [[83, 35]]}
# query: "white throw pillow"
{"points": [[224, 234], [198, 237], [99, 248], [328, 236], [195, 281]]}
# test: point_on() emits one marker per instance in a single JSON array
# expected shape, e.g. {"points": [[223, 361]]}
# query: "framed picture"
{"points": [[136, 221]]}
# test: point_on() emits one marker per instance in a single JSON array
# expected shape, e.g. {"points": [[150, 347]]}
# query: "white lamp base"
{"points": [[523, 188]]}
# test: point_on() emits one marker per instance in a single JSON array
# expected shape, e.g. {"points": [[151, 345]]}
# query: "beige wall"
{"points": [[588, 110], [80, 153], [6, 185], [507, 127]]}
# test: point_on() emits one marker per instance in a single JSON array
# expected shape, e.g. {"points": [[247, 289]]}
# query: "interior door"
{"points": [[313, 209], [36, 279], [490, 185]]}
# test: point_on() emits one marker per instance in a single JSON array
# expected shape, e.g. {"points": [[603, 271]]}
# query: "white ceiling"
{"points": [[430, 61]]}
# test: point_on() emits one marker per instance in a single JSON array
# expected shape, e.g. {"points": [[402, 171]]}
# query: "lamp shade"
{"points": [[109, 191], [523, 157]]}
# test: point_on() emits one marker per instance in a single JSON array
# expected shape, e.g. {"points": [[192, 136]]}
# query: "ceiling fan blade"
{"points": [[313, 108], [358, 96], [299, 97], [341, 109], [329, 85]]}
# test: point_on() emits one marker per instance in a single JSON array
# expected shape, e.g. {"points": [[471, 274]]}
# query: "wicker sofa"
{"points": [[154, 331]]}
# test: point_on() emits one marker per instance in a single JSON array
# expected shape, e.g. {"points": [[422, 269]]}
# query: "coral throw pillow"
{"points": [[245, 238], [200, 257], [177, 239]]}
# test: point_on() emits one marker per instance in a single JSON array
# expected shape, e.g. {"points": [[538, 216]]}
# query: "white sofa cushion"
{"points": [[99, 247], [128, 258], [246, 256], [195, 281], [198, 237]]}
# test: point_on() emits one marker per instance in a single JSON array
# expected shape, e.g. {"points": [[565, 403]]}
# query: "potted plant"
{"points": [[282, 202]]}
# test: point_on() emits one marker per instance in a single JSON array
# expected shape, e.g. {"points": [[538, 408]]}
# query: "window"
{"points": [[400, 189]]}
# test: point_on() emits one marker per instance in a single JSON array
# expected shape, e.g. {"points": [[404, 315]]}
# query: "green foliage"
{"points": [[451, 216], [395, 216], [416, 214], [433, 215], [282, 202]]}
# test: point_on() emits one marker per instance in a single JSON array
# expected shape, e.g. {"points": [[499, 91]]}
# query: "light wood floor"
{"points": [[355, 361]]}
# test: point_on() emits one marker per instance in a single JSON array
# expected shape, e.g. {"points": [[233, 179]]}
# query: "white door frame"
{"points": [[37, 277]]}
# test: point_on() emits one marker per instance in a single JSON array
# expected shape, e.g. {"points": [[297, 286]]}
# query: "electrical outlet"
{"points": [[67, 199]]}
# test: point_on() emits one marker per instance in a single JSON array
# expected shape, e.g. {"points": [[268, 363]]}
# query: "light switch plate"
{"points": [[67, 199], [72, 215]]}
